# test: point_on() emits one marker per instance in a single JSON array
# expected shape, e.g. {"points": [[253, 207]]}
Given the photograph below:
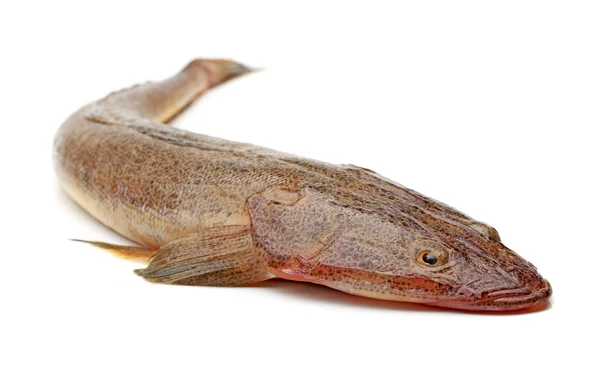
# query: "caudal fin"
{"points": [[162, 100]]}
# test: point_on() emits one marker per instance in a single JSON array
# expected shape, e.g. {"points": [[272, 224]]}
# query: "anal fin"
{"points": [[131, 253]]}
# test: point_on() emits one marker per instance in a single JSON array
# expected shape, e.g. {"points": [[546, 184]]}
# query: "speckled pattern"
{"points": [[224, 213]]}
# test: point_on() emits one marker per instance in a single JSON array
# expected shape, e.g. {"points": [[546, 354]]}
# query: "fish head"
{"points": [[402, 253]]}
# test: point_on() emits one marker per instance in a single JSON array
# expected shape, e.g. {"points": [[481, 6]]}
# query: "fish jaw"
{"points": [[499, 301], [519, 286], [505, 300], [417, 289]]}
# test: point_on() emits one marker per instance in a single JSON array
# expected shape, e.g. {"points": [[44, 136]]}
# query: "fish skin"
{"points": [[217, 212]]}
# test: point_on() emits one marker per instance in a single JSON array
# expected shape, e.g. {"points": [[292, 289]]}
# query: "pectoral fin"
{"points": [[131, 253], [220, 256]]}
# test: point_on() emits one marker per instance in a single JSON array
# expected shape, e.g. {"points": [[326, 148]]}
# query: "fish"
{"points": [[211, 212]]}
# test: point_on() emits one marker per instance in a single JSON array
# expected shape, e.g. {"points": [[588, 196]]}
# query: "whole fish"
{"points": [[207, 211]]}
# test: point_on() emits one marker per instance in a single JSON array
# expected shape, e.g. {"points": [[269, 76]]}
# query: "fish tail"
{"points": [[163, 100]]}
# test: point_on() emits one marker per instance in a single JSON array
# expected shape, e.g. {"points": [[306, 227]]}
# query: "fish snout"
{"points": [[529, 288], [529, 295], [523, 285], [512, 285]]}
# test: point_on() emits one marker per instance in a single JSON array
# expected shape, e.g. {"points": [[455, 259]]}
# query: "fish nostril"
{"points": [[546, 288]]}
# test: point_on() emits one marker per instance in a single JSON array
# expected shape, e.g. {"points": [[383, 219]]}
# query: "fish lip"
{"points": [[510, 292], [510, 299]]}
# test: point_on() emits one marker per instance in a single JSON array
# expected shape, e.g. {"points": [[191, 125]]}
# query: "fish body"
{"points": [[207, 211]]}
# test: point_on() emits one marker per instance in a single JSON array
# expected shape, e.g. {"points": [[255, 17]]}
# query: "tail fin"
{"points": [[163, 100]]}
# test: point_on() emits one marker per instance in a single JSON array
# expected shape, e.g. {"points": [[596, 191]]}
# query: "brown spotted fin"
{"points": [[221, 256]]}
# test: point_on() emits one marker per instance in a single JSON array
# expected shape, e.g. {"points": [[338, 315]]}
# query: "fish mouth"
{"points": [[519, 298], [511, 299]]}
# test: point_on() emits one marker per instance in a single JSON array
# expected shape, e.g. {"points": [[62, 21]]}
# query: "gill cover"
{"points": [[305, 235]]}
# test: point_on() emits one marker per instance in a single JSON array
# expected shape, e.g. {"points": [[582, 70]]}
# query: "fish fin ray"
{"points": [[131, 253], [220, 256]]}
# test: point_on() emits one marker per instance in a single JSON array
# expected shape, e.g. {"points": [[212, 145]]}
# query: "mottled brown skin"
{"points": [[216, 212]]}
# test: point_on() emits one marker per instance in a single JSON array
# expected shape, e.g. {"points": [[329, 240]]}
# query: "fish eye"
{"points": [[432, 258], [428, 258]]}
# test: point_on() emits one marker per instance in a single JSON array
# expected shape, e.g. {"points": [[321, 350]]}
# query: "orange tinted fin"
{"points": [[131, 253]]}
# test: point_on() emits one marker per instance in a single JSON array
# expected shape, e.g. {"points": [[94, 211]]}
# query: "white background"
{"points": [[491, 107]]}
